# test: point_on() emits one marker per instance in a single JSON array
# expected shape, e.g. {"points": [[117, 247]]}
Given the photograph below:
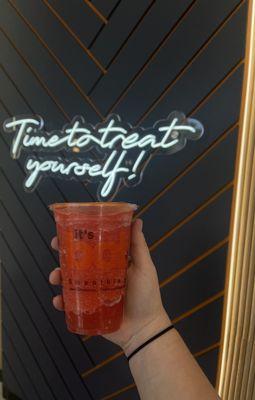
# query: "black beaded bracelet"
{"points": [[150, 340]]}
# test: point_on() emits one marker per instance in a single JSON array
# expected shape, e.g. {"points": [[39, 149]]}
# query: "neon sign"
{"points": [[121, 151]]}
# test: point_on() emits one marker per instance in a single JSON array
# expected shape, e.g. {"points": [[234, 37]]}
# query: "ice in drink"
{"points": [[93, 240]]}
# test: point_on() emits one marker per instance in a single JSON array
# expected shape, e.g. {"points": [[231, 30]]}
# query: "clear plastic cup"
{"points": [[93, 241]]}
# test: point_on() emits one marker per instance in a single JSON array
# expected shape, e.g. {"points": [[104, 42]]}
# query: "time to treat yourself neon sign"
{"points": [[120, 151]]}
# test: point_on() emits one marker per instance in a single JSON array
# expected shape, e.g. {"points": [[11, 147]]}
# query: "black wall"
{"points": [[142, 60]]}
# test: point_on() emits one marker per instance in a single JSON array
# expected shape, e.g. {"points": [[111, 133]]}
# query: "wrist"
{"points": [[147, 331]]}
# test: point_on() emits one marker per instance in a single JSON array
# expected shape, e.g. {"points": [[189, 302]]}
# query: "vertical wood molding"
{"points": [[236, 370], [1, 345]]}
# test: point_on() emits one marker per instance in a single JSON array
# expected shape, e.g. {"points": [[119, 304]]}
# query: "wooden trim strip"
{"points": [[113, 59], [182, 316], [219, 84], [204, 351], [102, 364], [191, 215], [193, 262], [189, 63], [132, 385], [74, 36], [56, 59], [199, 307], [152, 56], [187, 169], [98, 33], [96, 11], [120, 391], [236, 370]]}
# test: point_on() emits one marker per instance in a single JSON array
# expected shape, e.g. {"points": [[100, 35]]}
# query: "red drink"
{"points": [[93, 241]]}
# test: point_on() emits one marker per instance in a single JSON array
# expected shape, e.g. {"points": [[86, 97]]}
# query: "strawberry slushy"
{"points": [[93, 240]]}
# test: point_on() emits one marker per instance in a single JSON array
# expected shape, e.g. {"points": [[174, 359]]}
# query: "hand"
{"points": [[144, 314]]}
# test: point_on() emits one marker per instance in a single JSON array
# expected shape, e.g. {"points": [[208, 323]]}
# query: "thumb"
{"points": [[139, 250]]}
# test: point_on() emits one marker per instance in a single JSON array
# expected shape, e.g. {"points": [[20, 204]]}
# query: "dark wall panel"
{"points": [[129, 394], [37, 342], [142, 60], [195, 237], [194, 30], [208, 362], [123, 21], [175, 199], [18, 367], [11, 379], [84, 23], [217, 120], [198, 283], [21, 343], [106, 7], [53, 32], [50, 72]]}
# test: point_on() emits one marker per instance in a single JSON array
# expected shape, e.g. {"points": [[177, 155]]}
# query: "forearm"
{"points": [[165, 369]]}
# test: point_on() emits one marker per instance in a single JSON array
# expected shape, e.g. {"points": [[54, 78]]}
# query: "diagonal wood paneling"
{"points": [[21, 344], [74, 54], [34, 49], [60, 59], [74, 36], [84, 23], [123, 22], [19, 368], [107, 8], [14, 382], [176, 46], [226, 118]]}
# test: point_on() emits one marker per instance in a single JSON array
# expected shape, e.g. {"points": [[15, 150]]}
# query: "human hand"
{"points": [[144, 314]]}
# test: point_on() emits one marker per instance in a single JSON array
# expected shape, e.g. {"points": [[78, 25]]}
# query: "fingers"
{"points": [[54, 243], [55, 279], [55, 276], [139, 250], [58, 302]]}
